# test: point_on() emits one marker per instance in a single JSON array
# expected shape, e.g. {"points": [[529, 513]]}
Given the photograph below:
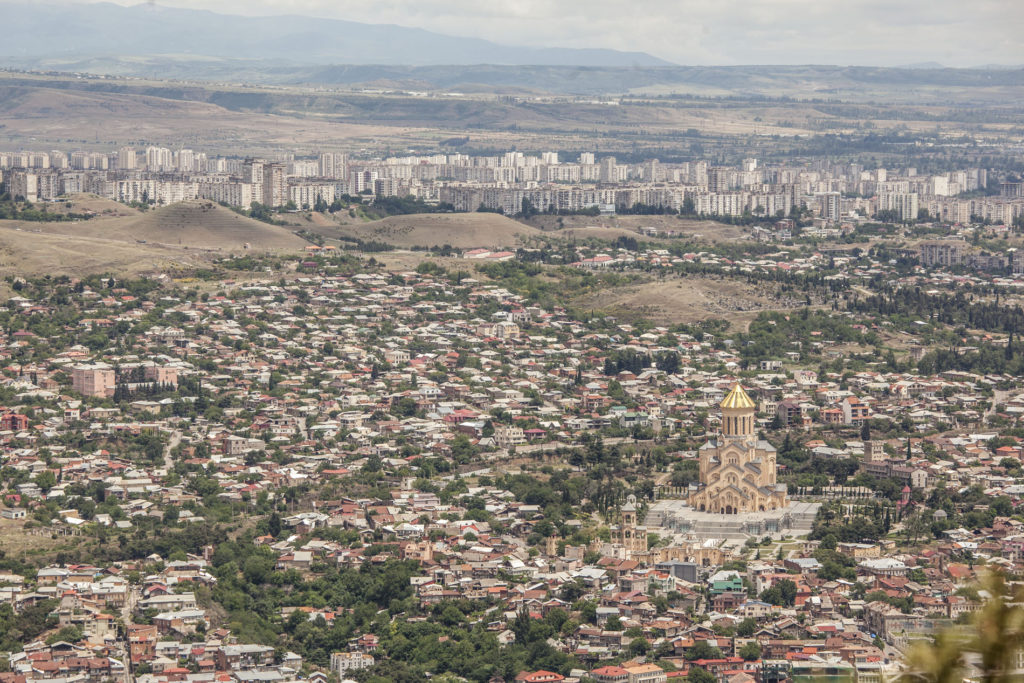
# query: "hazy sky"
{"points": [[868, 32]]}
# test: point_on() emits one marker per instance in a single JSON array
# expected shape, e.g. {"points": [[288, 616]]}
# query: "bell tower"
{"points": [[629, 513], [632, 537], [738, 414]]}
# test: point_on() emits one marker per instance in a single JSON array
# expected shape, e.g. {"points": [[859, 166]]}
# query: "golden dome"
{"points": [[738, 400]]}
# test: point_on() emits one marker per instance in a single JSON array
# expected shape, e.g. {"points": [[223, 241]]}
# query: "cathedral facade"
{"points": [[737, 471]]}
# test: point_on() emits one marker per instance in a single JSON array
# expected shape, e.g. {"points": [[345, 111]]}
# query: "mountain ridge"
{"points": [[89, 30]]}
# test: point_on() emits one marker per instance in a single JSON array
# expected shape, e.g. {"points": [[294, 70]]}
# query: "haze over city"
{"points": [[861, 32]]}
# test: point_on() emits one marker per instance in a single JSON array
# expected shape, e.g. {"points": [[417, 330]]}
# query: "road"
{"points": [[998, 396], [126, 618], [172, 443]]}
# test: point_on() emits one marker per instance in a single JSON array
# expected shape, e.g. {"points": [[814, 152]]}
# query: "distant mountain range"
{"points": [[104, 30]]}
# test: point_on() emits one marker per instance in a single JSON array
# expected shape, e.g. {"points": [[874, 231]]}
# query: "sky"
{"points": [[701, 32]]}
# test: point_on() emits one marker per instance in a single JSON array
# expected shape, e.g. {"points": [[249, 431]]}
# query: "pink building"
{"points": [[162, 374], [93, 380]]}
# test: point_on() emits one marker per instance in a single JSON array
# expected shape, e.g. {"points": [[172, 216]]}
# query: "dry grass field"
{"points": [[16, 542], [462, 230], [23, 252], [199, 224], [58, 111], [91, 204], [176, 237], [55, 117], [195, 224], [612, 227], [683, 300]]}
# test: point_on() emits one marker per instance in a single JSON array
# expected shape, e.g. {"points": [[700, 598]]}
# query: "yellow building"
{"points": [[737, 471]]}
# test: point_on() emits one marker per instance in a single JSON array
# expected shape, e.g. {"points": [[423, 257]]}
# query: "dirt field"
{"points": [[681, 300], [401, 259], [612, 227], [23, 252], [462, 230], [16, 542]]}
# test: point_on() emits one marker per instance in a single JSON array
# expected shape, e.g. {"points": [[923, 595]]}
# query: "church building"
{"points": [[737, 471]]}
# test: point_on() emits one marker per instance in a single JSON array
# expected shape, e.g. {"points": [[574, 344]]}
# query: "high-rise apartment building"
{"points": [[23, 184], [186, 160], [361, 180], [275, 184], [609, 172], [829, 204], [904, 204], [159, 159], [719, 179], [252, 173], [126, 159]]}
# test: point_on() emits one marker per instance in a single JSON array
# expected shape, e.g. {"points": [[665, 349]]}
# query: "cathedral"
{"points": [[737, 471]]}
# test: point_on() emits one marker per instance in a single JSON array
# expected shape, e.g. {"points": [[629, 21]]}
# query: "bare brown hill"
{"points": [[599, 232], [26, 252], [197, 224], [91, 204], [99, 205], [461, 230]]}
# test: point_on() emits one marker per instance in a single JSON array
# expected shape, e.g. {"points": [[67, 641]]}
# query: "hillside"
{"points": [[83, 203], [196, 224], [26, 252], [462, 230]]}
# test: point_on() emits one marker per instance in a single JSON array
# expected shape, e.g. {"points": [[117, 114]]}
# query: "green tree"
{"points": [[274, 524], [783, 594], [747, 627], [257, 568], [750, 652], [701, 650], [699, 675], [638, 647], [68, 634], [46, 480]]}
